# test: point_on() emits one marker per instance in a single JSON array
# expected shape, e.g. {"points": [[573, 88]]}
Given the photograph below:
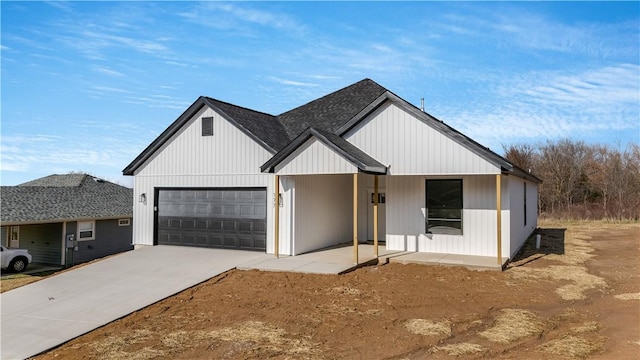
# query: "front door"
{"points": [[14, 237], [382, 229]]}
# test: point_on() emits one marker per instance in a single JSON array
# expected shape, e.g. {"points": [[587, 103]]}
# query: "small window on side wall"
{"points": [[86, 230], [124, 222], [444, 206], [207, 126]]}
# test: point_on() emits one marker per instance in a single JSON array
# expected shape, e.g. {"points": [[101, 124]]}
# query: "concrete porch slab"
{"points": [[468, 261], [339, 260], [334, 260]]}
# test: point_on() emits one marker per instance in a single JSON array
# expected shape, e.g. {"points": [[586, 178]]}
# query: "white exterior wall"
{"points": [[229, 158], [520, 231], [314, 157], [365, 184], [406, 213], [395, 137], [323, 211]]}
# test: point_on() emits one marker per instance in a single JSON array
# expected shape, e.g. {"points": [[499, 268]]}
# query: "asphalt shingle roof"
{"points": [[332, 111], [331, 115], [264, 126], [64, 197], [352, 153]]}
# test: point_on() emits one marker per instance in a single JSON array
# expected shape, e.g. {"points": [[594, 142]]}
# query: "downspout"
{"points": [[276, 231], [355, 218], [375, 215]]}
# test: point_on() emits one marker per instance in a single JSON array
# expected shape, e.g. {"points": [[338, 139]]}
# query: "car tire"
{"points": [[18, 264]]}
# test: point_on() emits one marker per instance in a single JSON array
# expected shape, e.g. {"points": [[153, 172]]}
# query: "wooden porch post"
{"points": [[375, 215], [276, 231], [355, 218], [499, 215]]}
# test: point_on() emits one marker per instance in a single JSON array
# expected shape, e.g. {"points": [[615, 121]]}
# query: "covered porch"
{"points": [[328, 192], [339, 260]]}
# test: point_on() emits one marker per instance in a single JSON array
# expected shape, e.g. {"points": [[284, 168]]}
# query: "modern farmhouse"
{"points": [[360, 164]]}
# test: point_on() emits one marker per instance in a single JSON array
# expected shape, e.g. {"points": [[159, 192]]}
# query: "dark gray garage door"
{"points": [[215, 218]]}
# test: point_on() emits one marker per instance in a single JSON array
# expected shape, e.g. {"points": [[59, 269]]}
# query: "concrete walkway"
{"points": [[52, 311]]}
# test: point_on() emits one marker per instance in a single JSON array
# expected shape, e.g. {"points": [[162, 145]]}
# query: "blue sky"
{"points": [[86, 86]]}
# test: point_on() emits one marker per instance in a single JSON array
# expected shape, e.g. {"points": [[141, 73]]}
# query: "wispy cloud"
{"points": [[240, 17], [515, 26], [549, 105], [107, 71], [158, 101], [291, 82]]}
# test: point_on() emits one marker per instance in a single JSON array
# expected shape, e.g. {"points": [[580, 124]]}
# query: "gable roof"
{"points": [[68, 197], [331, 111], [263, 128], [333, 114], [352, 153]]}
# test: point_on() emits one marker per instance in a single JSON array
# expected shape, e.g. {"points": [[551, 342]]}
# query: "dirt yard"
{"points": [[578, 296]]}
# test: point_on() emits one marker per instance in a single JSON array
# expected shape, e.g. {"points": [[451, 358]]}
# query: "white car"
{"points": [[15, 260]]}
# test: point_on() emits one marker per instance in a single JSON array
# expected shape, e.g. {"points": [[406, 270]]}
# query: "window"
{"points": [[124, 222], [86, 230], [207, 126], [444, 207]]}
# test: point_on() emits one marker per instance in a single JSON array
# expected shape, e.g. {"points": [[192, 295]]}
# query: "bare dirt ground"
{"points": [[576, 297]]}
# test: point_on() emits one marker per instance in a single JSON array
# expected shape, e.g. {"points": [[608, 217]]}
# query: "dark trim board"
{"points": [[211, 217]]}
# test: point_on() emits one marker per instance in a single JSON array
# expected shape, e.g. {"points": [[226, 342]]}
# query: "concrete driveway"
{"points": [[47, 313]]}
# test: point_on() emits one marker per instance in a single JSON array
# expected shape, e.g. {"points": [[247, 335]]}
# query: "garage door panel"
{"points": [[219, 218]]}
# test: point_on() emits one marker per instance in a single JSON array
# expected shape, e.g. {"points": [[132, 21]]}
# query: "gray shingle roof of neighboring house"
{"points": [[335, 113], [64, 198]]}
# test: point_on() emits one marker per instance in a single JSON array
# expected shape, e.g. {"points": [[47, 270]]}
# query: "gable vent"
{"points": [[207, 126]]}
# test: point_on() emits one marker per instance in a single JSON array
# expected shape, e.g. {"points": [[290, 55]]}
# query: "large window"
{"points": [[86, 230], [444, 206]]}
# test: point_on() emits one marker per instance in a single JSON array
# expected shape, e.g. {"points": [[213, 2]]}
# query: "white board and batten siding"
{"points": [[518, 228], [396, 138], [314, 157], [322, 213], [229, 158], [406, 217]]}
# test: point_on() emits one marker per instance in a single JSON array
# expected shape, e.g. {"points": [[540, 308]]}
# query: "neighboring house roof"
{"points": [[353, 154], [64, 198], [331, 115]]}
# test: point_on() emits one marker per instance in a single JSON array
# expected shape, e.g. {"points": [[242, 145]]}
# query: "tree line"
{"points": [[582, 181]]}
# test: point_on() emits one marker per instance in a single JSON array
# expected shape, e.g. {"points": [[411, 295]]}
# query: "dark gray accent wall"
{"points": [[109, 239], [44, 242], [3, 236]]}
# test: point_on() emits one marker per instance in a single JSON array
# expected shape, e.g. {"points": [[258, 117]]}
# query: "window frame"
{"points": [[124, 222], [79, 231], [207, 126], [460, 220]]}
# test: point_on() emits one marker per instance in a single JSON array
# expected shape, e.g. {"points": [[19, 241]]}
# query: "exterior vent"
{"points": [[207, 126]]}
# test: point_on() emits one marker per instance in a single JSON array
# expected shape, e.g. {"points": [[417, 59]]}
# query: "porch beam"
{"points": [[375, 215], [499, 216], [355, 218], [276, 230]]}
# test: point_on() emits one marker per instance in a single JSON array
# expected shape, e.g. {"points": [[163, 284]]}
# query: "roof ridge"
{"points": [[241, 107], [330, 94]]}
